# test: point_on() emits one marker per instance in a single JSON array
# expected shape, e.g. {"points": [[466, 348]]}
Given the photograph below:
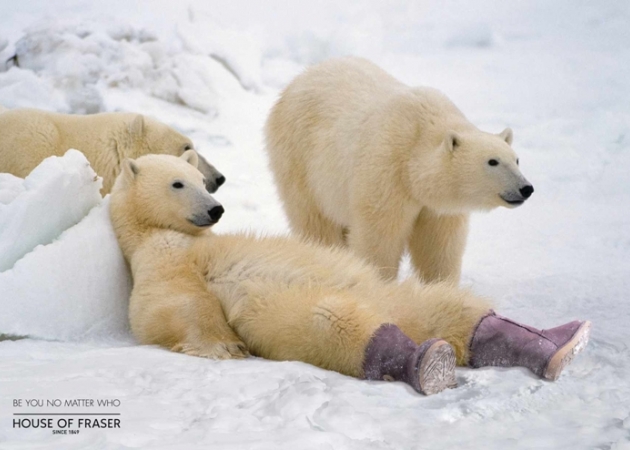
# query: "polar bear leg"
{"points": [[438, 310], [308, 221], [185, 318], [207, 333], [326, 328], [437, 244], [381, 246]]}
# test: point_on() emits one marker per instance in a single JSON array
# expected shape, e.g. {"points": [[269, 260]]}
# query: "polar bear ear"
{"points": [[452, 141], [129, 169], [507, 135], [191, 157], [136, 128]]}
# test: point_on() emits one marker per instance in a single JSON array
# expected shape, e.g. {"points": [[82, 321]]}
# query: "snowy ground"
{"points": [[557, 72]]}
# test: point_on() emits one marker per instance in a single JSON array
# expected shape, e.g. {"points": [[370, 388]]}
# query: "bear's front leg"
{"points": [[213, 350], [182, 316], [208, 334], [437, 244]]}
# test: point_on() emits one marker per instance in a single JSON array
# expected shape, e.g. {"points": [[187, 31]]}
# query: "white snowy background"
{"points": [[557, 72]]}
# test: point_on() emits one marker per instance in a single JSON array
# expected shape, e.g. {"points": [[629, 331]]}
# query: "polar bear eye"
{"points": [[178, 185], [493, 162], [187, 147], [517, 160]]}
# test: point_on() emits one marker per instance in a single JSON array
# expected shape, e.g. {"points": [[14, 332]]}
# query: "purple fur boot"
{"points": [[498, 341], [390, 355]]}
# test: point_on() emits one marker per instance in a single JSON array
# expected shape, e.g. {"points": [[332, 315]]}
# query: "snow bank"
{"points": [[82, 59], [205, 84], [10, 187], [54, 196], [21, 88], [76, 287], [237, 51]]}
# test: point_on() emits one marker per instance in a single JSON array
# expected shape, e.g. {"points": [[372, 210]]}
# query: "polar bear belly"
{"points": [[250, 271]]}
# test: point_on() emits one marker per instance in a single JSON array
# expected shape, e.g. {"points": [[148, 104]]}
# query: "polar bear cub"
{"points": [[283, 299], [361, 159], [29, 136], [280, 298]]}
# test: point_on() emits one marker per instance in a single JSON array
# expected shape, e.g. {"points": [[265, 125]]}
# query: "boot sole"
{"points": [[437, 369], [567, 352]]}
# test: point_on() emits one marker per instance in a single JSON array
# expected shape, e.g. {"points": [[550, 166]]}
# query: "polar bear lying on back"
{"points": [[354, 151], [28, 136], [288, 300]]}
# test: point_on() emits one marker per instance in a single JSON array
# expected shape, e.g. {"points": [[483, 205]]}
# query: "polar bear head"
{"points": [[164, 191], [473, 170], [150, 136]]}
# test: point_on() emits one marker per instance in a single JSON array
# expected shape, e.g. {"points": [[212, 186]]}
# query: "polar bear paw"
{"points": [[214, 350]]}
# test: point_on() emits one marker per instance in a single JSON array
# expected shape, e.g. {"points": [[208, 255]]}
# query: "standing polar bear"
{"points": [[220, 295], [355, 151], [28, 136]]}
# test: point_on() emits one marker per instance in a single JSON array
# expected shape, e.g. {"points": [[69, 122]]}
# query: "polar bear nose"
{"points": [[220, 180], [527, 191], [216, 213]]}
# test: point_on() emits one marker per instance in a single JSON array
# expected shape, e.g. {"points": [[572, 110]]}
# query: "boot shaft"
{"points": [[499, 341]]}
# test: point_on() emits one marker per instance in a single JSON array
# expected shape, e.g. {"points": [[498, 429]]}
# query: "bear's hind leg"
{"points": [[437, 244], [326, 328], [438, 310], [335, 330], [308, 221], [305, 217], [382, 247]]}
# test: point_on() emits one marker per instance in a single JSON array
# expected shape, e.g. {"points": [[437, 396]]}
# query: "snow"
{"points": [[57, 211], [556, 72], [238, 51], [77, 298], [53, 197], [23, 89]]}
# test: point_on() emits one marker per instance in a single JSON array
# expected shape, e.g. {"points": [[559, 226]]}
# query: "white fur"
{"points": [[29, 136], [284, 299], [364, 160]]}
